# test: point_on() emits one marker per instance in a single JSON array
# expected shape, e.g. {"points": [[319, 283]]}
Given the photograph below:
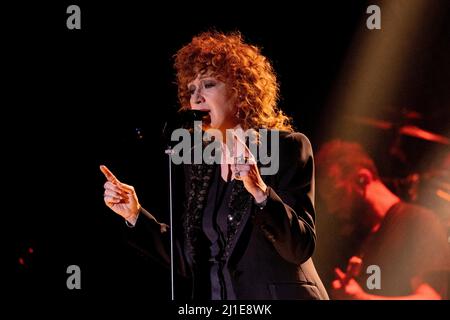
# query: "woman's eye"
{"points": [[191, 91], [209, 84]]}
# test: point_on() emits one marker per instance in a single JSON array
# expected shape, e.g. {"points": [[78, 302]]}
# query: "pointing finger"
{"points": [[108, 174]]}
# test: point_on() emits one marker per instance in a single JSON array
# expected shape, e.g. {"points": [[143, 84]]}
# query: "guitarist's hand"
{"points": [[345, 287]]}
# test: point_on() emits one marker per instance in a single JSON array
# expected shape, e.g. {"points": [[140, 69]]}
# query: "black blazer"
{"points": [[268, 255]]}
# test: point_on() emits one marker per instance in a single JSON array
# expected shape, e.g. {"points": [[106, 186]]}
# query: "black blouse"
{"points": [[214, 227]]}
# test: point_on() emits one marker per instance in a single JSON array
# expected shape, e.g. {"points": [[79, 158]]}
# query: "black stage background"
{"points": [[75, 99]]}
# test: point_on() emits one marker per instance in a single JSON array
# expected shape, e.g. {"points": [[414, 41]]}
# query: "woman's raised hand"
{"points": [[245, 168], [120, 197]]}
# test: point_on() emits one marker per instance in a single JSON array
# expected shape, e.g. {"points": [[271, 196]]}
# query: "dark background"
{"points": [[75, 99]]}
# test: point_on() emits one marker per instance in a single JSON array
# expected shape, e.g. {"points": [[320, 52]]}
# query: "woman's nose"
{"points": [[198, 98]]}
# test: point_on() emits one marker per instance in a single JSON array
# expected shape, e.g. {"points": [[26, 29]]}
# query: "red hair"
{"points": [[247, 73], [343, 159]]}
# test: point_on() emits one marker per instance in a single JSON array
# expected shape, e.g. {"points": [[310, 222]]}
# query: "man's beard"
{"points": [[361, 221]]}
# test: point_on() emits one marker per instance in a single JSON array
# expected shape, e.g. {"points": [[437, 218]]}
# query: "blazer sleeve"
{"points": [[288, 218], [151, 238]]}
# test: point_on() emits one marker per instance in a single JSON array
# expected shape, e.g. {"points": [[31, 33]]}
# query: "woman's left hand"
{"points": [[245, 168]]}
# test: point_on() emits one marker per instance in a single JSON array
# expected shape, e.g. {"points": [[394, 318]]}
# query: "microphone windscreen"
{"points": [[182, 119]]}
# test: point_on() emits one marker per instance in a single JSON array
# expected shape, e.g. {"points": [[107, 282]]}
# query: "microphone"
{"points": [[185, 118], [181, 119]]}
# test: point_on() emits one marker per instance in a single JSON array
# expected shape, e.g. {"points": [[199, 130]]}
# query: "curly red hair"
{"points": [[247, 73]]}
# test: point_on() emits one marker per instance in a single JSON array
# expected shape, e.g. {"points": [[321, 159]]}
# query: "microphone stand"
{"points": [[169, 151], [185, 116]]}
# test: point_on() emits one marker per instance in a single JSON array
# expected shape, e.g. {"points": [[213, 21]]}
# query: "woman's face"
{"points": [[210, 94]]}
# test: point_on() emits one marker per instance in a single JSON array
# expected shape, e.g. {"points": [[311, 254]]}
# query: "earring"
{"points": [[362, 181], [238, 113]]}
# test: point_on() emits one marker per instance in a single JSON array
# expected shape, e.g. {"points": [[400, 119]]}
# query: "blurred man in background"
{"points": [[404, 243]]}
